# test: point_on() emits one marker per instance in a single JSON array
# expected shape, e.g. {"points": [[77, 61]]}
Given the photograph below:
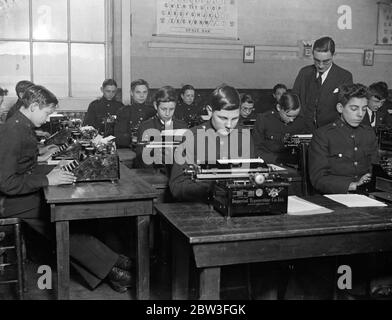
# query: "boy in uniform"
{"points": [[341, 153], [102, 113], [165, 104], [22, 181]]}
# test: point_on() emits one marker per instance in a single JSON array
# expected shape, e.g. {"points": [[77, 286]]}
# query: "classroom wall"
{"points": [[275, 27]]}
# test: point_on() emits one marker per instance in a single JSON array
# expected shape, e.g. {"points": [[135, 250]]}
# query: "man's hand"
{"points": [[284, 117], [57, 177]]}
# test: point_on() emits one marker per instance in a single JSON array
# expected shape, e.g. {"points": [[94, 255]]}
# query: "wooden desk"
{"points": [[156, 179], [129, 197], [215, 241]]}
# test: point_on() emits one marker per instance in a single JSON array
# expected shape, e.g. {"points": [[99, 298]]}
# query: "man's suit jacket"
{"points": [[319, 105]]}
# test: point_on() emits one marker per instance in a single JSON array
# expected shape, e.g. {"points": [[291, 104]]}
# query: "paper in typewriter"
{"points": [[355, 200], [300, 207]]}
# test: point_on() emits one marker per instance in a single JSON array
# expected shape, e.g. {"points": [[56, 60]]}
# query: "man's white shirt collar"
{"points": [[324, 75]]}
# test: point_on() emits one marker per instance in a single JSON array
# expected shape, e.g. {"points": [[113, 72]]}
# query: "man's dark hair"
{"points": [[279, 86], [22, 86], [349, 91], [165, 94], [324, 44], [109, 82], [225, 97], [40, 95], [378, 90], [3, 92], [139, 82]]}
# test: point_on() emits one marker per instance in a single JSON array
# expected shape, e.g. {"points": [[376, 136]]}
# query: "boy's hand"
{"points": [[43, 134], [57, 177], [364, 179], [50, 148]]}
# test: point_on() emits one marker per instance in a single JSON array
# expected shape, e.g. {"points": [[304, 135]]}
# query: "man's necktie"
{"points": [[319, 80], [373, 117]]}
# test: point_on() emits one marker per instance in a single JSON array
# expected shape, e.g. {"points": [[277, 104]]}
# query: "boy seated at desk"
{"points": [[21, 192], [102, 113], [271, 101], [186, 109], [377, 113], [247, 109], [224, 111], [341, 153], [165, 101], [130, 117], [272, 126]]}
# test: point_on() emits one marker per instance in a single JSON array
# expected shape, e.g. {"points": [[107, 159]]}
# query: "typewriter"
{"points": [[244, 187], [384, 135], [72, 141], [167, 139], [297, 139], [95, 162]]}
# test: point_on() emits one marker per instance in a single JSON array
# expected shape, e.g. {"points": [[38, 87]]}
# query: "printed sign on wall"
{"points": [[384, 23], [198, 18]]}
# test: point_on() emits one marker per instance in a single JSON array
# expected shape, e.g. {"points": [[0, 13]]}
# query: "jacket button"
{"points": [[352, 136], [340, 155], [355, 149], [355, 163]]}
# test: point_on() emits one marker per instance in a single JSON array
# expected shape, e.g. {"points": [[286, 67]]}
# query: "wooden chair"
{"points": [[7, 259]]}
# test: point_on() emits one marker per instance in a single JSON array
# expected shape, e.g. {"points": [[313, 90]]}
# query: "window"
{"points": [[61, 44]]}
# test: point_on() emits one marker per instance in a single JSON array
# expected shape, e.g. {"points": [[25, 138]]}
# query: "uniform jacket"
{"points": [[98, 111], [14, 108], [340, 154], [20, 176], [319, 105], [188, 113], [129, 119], [268, 135], [182, 187], [153, 123]]}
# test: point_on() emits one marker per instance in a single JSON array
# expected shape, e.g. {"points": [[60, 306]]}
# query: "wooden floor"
{"points": [[234, 288]]}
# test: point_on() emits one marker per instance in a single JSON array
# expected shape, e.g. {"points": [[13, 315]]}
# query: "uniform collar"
{"points": [[343, 124], [19, 117]]}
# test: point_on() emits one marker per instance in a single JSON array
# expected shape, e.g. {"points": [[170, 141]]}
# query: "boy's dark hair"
{"points": [[279, 86], [225, 97], [185, 88], [40, 95], [165, 94], [324, 44], [289, 102], [22, 86], [139, 82], [378, 90], [3, 92], [348, 91], [109, 82], [247, 98]]}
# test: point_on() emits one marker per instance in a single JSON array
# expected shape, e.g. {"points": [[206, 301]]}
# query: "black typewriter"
{"points": [[244, 187], [95, 163]]}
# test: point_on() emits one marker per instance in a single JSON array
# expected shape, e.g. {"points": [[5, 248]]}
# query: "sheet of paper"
{"points": [[300, 207], [355, 200]]}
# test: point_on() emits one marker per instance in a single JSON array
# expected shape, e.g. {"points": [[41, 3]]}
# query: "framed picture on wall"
{"points": [[249, 54], [368, 57]]}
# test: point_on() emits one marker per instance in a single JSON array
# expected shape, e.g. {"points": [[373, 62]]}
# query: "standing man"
{"points": [[317, 85]]}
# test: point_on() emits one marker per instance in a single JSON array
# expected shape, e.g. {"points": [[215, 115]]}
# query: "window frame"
{"points": [[108, 44]]}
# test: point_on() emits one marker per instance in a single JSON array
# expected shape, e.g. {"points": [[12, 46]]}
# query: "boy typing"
{"points": [[341, 153], [21, 183]]}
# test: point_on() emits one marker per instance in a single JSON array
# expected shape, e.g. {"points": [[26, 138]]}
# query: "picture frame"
{"points": [[368, 57], [249, 54]]}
